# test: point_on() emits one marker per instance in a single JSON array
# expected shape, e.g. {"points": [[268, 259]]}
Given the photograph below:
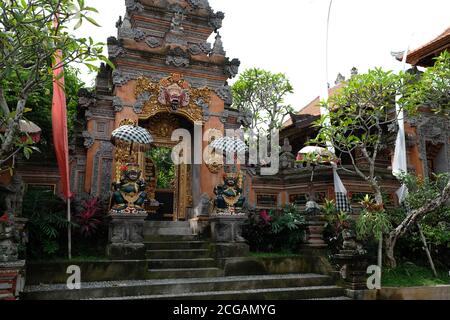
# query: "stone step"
{"points": [[176, 245], [166, 224], [324, 292], [181, 263], [168, 231], [184, 273], [332, 298], [169, 238], [178, 254], [200, 288]]}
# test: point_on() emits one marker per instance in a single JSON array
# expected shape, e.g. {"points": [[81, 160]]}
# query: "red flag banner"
{"points": [[59, 123]]}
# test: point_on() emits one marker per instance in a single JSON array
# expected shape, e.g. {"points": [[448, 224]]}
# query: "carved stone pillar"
{"points": [[314, 232], [126, 237]]}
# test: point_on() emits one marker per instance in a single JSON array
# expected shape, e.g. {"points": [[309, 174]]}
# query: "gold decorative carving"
{"points": [[162, 125], [214, 161], [161, 92], [128, 122]]}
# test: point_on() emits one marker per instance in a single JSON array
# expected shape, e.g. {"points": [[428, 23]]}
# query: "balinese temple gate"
{"points": [[167, 76]]}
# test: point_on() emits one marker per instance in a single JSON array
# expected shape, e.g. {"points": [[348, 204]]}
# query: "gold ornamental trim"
{"points": [[153, 106]]}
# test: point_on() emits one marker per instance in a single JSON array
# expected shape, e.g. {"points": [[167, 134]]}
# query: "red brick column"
{"points": [[12, 279]]}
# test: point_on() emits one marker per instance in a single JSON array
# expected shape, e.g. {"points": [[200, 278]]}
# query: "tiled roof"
{"points": [[430, 49], [312, 108]]}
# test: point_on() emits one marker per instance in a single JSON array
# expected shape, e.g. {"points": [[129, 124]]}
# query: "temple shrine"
{"points": [[167, 77]]}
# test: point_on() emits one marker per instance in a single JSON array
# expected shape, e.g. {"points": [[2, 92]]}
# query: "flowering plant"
{"points": [[4, 220]]}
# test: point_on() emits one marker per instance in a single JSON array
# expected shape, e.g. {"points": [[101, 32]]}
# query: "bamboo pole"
{"points": [[425, 247], [69, 231]]}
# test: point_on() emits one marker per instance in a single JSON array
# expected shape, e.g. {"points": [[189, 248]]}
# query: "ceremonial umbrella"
{"points": [[138, 137], [232, 145], [229, 145]]}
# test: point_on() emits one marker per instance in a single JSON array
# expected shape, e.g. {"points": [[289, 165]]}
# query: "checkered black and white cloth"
{"points": [[229, 145], [133, 134], [342, 203]]}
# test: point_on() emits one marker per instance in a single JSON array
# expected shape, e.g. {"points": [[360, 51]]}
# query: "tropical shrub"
{"points": [[47, 221], [336, 222], [89, 218], [280, 230]]}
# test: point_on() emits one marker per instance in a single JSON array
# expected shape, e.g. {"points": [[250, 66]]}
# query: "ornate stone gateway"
{"points": [[167, 76]]}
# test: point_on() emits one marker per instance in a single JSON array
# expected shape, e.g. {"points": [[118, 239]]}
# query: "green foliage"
{"points": [[432, 87], [336, 222], [39, 108], [47, 221], [162, 156], [420, 190], [359, 114], [435, 225], [289, 219], [29, 39], [277, 231], [373, 220], [409, 274], [260, 94]]}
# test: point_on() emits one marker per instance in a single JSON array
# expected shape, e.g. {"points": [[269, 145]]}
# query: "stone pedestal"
{"points": [[353, 269], [314, 232], [12, 279], [227, 227], [226, 233], [126, 237]]}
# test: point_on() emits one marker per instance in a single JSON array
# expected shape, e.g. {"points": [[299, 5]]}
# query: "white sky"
{"points": [[289, 35]]}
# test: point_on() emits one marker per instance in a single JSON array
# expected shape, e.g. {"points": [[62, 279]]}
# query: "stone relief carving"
{"points": [[232, 68], [287, 158], [88, 139], [86, 98], [199, 48], [117, 104], [218, 46], [103, 172], [133, 5], [141, 100], [114, 48], [178, 58], [216, 19], [177, 23], [225, 94], [138, 35], [88, 114], [153, 42], [119, 78], [432, 129]]}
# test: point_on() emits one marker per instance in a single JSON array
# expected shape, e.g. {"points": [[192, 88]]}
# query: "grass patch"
{"points": [[74, 259], [410, 275], [273, 254]]}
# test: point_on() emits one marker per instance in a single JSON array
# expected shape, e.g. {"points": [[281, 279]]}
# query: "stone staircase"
{"points": [[180, 266]]}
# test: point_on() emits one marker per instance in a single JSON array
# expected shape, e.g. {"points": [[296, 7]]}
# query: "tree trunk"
{"points": [[391, 262], [13, 127], [412, 219], [379, 201]]}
